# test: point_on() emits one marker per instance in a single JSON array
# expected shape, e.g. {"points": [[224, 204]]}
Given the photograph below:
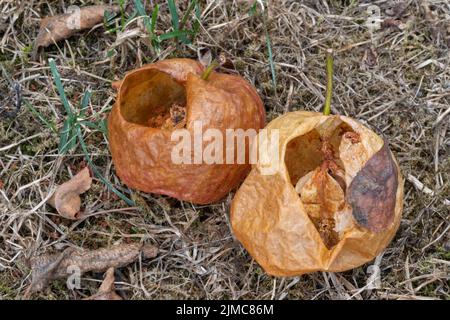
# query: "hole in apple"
{"points": [[154, 99], [318, 175]]}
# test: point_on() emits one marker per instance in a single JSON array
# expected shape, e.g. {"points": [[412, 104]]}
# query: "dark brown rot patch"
{"points": [[372, 193]]}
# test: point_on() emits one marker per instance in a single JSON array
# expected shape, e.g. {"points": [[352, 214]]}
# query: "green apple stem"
{"points": [[214, 64], [327, 106]]}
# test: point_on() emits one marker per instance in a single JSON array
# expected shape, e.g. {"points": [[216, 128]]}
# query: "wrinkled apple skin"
{"points": [[269, 219], [142, 154]]}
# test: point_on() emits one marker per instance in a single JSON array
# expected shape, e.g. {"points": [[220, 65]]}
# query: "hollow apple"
{"points": [[332, 201], [161, 102]]}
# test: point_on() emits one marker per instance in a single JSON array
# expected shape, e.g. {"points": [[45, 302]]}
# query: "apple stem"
{"points": [[327, 106], [209, 69]]}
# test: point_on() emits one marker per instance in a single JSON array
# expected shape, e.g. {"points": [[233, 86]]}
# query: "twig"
{"points": [[21, 141], [441, 117], [437, 239], [421, 187]]}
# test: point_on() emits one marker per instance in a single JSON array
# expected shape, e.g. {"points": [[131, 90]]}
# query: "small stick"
{"points": [[421, 187], [327, 106]]}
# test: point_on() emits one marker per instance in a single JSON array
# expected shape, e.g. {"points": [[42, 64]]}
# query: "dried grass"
{"points": [[396, 81]]}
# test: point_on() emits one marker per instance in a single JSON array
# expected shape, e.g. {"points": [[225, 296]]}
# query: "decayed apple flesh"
{"points": [[315, 162]]}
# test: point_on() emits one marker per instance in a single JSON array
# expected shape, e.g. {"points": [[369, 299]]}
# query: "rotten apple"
{"points": [[161, 102]]}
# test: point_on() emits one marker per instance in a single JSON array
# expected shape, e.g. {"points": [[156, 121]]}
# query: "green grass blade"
{"points": [[271, 62], [37, 114], [71, 144], [84, 102], [253, 9], [175, 20], [97, 172], [140, 7], [174, 34], [154, 39], [59, 86], [64, 136], [154, 18], [191, 7], [108, 20], [122, 13], [103, 124], [196, 23], [174, 14], [141, 10], [90, 124]]}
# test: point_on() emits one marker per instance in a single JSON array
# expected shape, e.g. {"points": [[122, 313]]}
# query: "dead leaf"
{"points": [[63, 26], [204, 56], [372, 193], [107, 290], [66, 199], [48, 267]]}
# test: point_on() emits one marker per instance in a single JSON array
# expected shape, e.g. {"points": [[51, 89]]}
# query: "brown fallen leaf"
{"points": [[107, 290], [204, 56], [372, 192], [63, 26], [48, 267], [66, 199]]}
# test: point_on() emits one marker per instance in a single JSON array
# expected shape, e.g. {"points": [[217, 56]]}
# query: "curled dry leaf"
{"points": [[66, 199], [107, 290], [63, 26], [48, 267], [204, 56], [333, 203], [157, 99]]}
